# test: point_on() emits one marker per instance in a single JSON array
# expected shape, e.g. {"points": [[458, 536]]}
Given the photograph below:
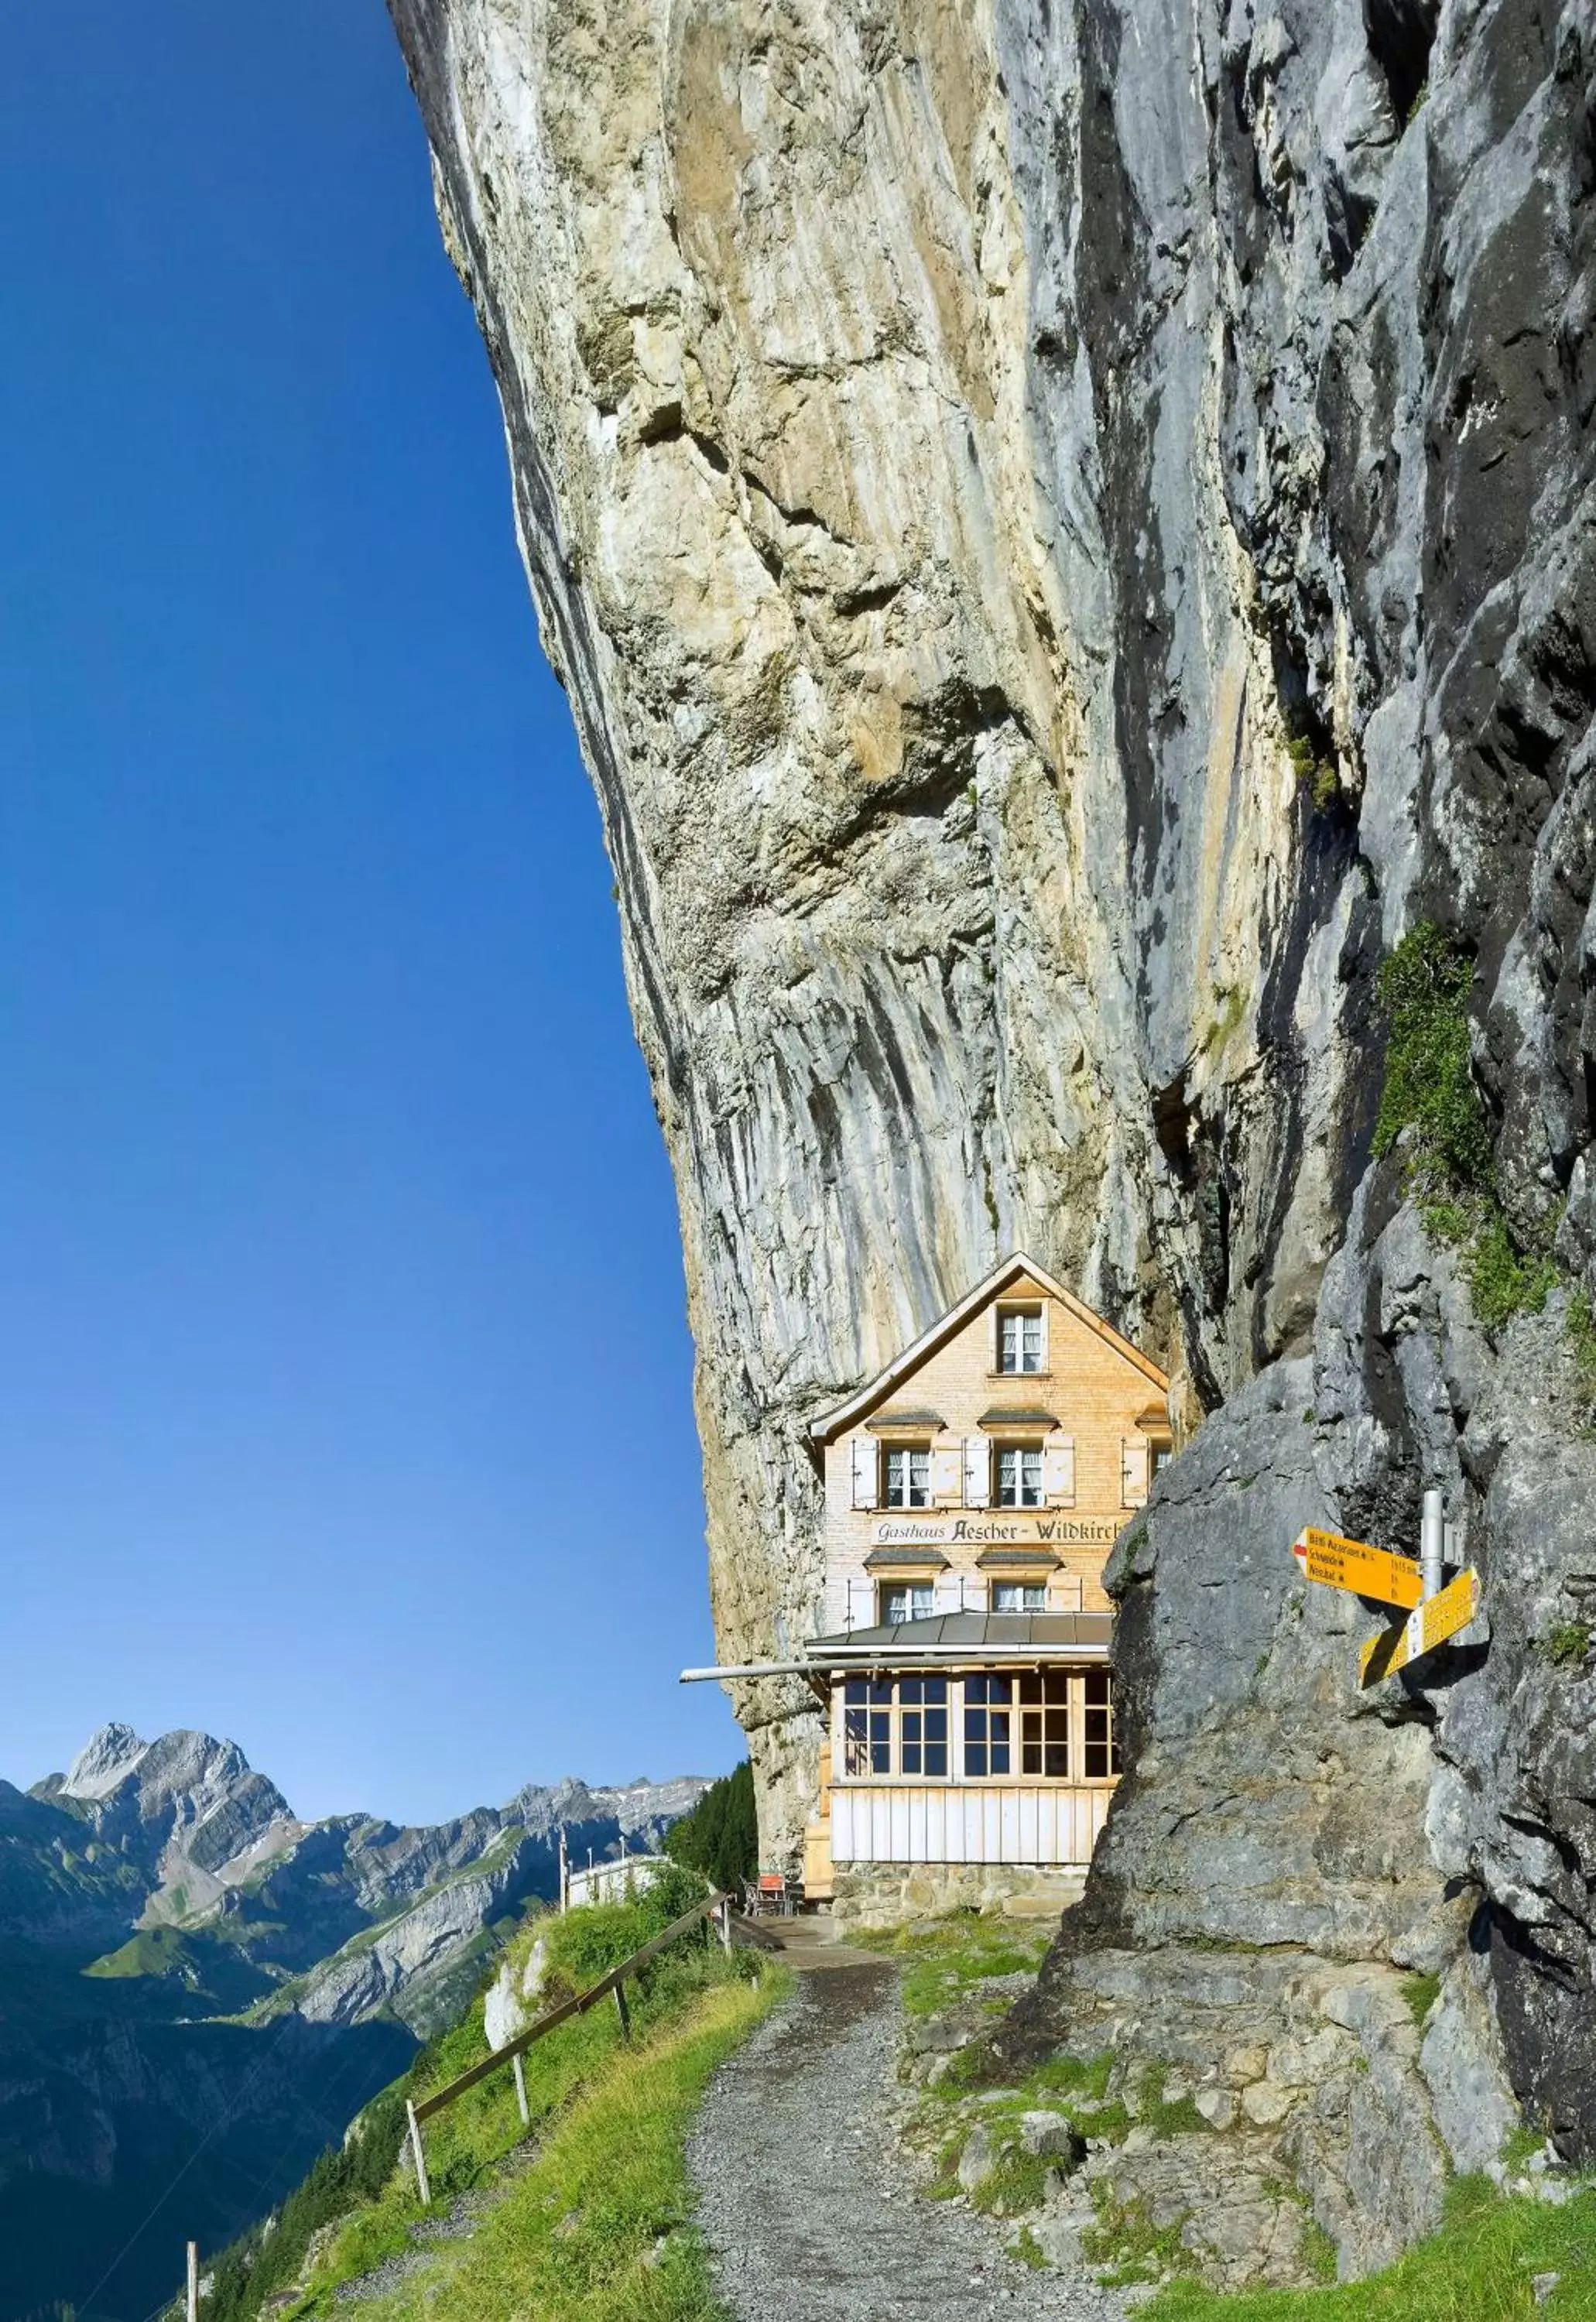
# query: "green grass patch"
{"points": [[1027, 2249], [1126, 2246], [945, 1958], [1420, 1992], [1016, 2182], [1479, 2268], [599, 2228], [1166, 2117]]}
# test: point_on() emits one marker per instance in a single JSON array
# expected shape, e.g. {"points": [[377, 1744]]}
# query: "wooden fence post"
{"points": [[521, 2090], [423, 2188], [194, 2281], [624, 2012], [724, 1914]]}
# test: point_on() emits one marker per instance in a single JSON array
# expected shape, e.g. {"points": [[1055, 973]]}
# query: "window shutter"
{"points": [[994, 1338], [866, 1472], [1046, 1335], [947, 1475], [1135, 1471], [978, 1472], [1058, 1471]]}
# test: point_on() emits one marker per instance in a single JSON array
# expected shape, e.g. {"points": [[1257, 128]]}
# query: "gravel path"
{"points": [[807, 2199]]}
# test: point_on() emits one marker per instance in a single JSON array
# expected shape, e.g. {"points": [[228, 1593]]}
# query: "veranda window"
{"points": [[922, 1726], [989, 1719], [1044, 1723], [867, 1726], [1101, 1752], [895, 1726], [908, 1478], [1019, 1476]]}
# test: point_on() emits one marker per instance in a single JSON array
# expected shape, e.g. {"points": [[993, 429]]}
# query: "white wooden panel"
{"points": [[1028, 1841], [1135, 1471], [866, 1472], [1022, 1824], [978, 1472], [947, 1473], [1058, 1471]]}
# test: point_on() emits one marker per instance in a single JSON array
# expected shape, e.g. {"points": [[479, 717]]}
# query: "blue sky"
{"points": [[329, 1172]]}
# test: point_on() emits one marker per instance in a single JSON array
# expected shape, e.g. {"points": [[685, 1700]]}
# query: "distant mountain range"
{"points": [[193, 1979]]}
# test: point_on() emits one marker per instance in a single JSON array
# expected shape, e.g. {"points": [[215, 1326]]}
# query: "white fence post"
{"points": [[194, 2281], [723, 1912], [423, 2188], [521, 2090]]}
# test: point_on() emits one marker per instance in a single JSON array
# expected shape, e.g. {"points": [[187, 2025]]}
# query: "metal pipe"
{"points": [[1432, 1538], [947, 1657]]}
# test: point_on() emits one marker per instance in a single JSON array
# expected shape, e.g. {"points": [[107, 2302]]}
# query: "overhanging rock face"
{"points": [[1066, 528]]}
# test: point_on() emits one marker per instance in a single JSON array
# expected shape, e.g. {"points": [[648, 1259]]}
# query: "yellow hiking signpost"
{"points": [[1430, 1625], [1353, 1565], [1433, 1613]]}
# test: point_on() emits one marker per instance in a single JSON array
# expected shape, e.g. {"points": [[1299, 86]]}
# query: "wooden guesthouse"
{"points": [[973, 1492]]}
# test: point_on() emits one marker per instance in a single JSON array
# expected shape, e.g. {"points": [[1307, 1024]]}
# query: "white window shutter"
{"points": [[978, 1472], [867, 1478], [994, 1337], [1135, 1471], [1058, 1471], [947, 1474], [1046, 1335]]}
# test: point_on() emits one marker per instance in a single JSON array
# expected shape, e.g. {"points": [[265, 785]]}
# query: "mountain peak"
{"points": [[107, 1757]]}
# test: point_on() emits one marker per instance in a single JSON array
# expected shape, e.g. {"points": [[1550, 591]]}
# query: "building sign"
{"points": [[995, 1532]]}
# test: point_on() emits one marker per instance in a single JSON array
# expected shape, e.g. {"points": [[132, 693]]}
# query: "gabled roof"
{"points": [[1016, 1268]]}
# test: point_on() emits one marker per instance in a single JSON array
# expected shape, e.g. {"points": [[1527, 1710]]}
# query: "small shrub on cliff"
{"points": [[1429, 1075], [1567, 1643], [1432, 1100]]}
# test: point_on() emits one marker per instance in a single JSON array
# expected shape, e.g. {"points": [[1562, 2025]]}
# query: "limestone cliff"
{"points": [[1066, 525]]}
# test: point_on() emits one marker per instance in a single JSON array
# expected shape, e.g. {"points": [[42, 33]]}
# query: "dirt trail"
{"points": [[809, 2202]]}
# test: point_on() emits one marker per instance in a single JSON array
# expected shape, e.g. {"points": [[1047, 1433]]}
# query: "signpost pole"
{"points": [[1432, 1540], [191, 2303]]}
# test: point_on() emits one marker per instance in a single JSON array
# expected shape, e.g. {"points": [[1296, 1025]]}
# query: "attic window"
{"points": [[1020, 1338]]}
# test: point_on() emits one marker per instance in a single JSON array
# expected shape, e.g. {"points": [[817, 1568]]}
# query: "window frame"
{"points": [[908, 1453], [898, 1715], [1022, 1451], [884, 1588], [1089, 1693], [1027, 1587], [1019, 1312]]}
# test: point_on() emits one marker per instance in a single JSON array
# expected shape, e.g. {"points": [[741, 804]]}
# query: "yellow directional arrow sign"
{"points": [[1354, 1566], [1430, 1625]]}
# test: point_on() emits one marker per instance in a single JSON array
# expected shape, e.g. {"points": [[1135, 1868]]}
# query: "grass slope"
{"points": [[1482, 2267], [599, 2228], [359, 2207]]}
